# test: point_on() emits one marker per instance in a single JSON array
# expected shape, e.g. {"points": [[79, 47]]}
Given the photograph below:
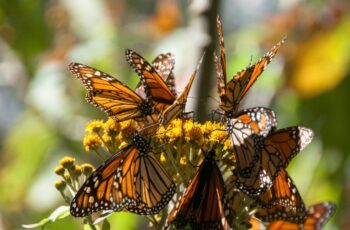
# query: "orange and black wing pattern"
{"points": [[317, 217], [155, 87], [130, 180], [283, 144], [242, 81], [274, 153], [262, 120], [164, 65], [179, 104], [243, 141], [202, 204], [110, 95], [244, 131], [282, 201]]}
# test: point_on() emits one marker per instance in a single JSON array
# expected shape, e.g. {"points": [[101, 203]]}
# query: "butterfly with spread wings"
{"points": [[202, 205], [274, 151], [231, 93], [131, 180], [111, 95]]}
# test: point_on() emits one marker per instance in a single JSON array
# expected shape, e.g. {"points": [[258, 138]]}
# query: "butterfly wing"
{"points": [[243, 80], [282, 201], [317, 217], [164, 65], [110, 95], [243, 142], [178, 106], [274, 153], [130, 181], [262, 120], [155, 88], [221, 76], [284, 144], [202, 205]]}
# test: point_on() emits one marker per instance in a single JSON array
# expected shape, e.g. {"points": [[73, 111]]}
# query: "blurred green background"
{"points": [[43, 111]]}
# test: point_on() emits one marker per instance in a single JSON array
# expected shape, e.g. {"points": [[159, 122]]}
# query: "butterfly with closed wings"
{"points": [[203, 204]]}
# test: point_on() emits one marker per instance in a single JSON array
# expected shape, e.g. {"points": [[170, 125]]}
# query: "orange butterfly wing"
{"points": [[262, 120], [164, 65], [243, 80], [156, 89], [202, 205], [244, 130], [284, 144], [274, 153], [179, 104], [110, 95], [243, 141], [130, 180], [317, 217], [282, 201]]}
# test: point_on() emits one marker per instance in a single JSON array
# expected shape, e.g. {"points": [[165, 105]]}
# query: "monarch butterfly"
{"points": [[244, 130], [130, 180], [282, 201], [111, 95], [203, 202], [164, 65], [317, 216], [156, 89], [232, 92], [274, 153]]}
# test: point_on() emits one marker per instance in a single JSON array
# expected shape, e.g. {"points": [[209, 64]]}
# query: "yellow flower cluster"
{"points": [[178, 146], [110, 135], [70, 174]]}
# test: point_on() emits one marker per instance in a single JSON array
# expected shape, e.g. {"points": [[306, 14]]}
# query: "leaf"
{"points": [[59, 213]]}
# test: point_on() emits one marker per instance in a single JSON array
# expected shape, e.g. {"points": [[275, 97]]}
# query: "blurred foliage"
{"points": [[44, 113]]}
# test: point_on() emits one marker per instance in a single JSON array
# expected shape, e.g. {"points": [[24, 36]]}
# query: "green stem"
{"points": [[153, 221], [99, 155], [108, 147], [90, 223], [65, 197], [172, 160]]}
